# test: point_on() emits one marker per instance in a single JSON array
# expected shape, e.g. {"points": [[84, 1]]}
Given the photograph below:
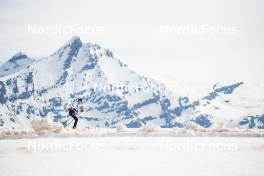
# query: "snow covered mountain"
{"points": [[113, 93], [18, 62]]}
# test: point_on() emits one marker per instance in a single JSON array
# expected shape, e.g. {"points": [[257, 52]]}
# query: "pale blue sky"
{"points": [[133, 33]]}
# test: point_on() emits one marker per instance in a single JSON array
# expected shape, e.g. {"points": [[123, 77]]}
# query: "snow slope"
{"points": [[18, 62], [113, 93]]}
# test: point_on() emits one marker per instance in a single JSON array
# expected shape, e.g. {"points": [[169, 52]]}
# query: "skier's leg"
{"points": [[75, 121]]}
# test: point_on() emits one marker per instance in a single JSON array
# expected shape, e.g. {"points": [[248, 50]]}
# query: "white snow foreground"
{"points": [[46, 128], [132, 156]]}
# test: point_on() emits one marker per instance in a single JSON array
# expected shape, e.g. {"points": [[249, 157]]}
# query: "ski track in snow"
{"points": [[140, 132], [46, 128]]}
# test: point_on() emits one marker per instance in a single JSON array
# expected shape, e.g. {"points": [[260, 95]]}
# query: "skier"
{"points": [[73, 110]]}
